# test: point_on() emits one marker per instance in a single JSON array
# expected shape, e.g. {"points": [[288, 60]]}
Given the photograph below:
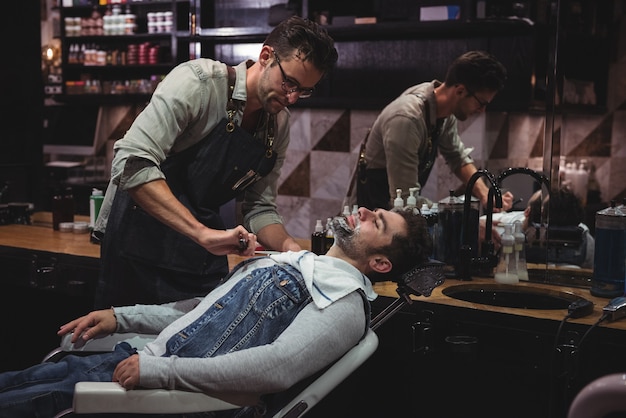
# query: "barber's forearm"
{"points": [[480, 190], [275, 237], [156, 198]]}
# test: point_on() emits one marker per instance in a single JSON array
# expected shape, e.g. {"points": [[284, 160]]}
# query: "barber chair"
{"points": [[566, 245], [111, 398], [603, 396]]}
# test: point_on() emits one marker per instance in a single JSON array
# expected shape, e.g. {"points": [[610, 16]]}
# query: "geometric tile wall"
{"points": [[325, 144]]}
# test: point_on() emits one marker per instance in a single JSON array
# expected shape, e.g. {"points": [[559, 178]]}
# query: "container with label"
{"points": [[95, 203], [609, 264]]}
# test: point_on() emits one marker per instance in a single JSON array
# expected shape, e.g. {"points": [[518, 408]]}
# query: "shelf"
{"points": [[381, 31], [103, 99], [163, 67], [119, 38]]}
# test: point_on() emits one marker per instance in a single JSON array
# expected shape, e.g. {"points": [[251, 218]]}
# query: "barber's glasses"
{"points": [[289, 86], [482, 104]]}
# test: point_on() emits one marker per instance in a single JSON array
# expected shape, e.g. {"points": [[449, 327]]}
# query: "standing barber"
{"points": [[210, 133], [406, 136]]}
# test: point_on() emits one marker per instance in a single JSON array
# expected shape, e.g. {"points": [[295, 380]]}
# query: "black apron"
{"points": [[373, 184], [145, 261]]}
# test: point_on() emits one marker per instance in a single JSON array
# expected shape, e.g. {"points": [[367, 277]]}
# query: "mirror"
{"points": [[583, 25]]}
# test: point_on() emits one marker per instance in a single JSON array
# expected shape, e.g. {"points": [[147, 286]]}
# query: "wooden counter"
{"points": [[40, 236], [388, 289], [44, 238]]}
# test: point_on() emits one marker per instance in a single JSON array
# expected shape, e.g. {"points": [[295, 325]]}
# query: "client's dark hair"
{"points": [[564, 208], [406, 250]]}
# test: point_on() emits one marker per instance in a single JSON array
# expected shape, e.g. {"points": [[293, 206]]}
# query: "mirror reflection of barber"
{"points": [[408, 134]]}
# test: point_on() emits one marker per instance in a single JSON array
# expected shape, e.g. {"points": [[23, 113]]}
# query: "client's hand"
{"points": [[90, 326], [127, 372]]}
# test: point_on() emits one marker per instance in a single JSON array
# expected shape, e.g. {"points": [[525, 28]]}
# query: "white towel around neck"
{"points": [[327, 278]]}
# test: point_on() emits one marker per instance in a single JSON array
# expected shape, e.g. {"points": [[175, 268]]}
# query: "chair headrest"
{"points": [[423, 278]]}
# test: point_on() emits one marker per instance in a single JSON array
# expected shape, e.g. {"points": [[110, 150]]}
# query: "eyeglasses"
{"points": [[289, 86], [480, 102]]}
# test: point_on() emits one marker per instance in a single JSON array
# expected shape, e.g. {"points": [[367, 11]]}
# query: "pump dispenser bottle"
{"points": [[317, 238], [520, 251], [398, 202], [506, 271], [411, 201]]}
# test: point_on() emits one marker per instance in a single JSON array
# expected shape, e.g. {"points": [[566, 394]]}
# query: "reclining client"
{"points": [[311, 310]]}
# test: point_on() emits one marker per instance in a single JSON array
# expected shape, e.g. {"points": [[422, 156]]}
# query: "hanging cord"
{"points": [[575, 310]]}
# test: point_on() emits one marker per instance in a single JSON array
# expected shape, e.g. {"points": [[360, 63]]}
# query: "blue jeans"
{"points": [[48, 388]]}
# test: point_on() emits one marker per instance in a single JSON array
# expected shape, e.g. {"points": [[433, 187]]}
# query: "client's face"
{"points": [[362, 234]]}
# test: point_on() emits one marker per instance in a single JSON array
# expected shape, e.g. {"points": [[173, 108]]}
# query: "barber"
{"points": [[409, 132], [209, 134]]}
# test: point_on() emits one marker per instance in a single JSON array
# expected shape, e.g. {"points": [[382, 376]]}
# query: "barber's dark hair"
{"points": [[477, 70], [310, 40], [406, 250]]}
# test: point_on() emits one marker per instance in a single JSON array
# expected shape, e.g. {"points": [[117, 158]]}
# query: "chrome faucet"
{"points": [[468, 264]]}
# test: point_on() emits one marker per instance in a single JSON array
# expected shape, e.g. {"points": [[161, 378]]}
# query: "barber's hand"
{"points": [[92, 325], [127, 372], [507, 203], [226, 242]]}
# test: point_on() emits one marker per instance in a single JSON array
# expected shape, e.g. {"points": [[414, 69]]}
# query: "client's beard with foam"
{"points": [[345, 235]]}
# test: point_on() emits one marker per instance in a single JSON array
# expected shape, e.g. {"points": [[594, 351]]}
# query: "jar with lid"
{"points": [[609, 265], [62, 207]]}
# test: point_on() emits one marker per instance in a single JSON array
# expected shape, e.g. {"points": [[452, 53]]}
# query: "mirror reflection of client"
{"points": [[572, 243]]}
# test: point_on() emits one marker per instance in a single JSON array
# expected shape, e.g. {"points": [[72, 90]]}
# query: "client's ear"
{"points": [[380, 264]]}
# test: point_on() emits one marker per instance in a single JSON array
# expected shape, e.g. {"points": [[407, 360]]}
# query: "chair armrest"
{"points": [[110, 397], [107, 342], [97, 345]]}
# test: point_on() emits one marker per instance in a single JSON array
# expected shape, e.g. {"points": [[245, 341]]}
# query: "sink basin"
{"points": [[512, 296]]}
